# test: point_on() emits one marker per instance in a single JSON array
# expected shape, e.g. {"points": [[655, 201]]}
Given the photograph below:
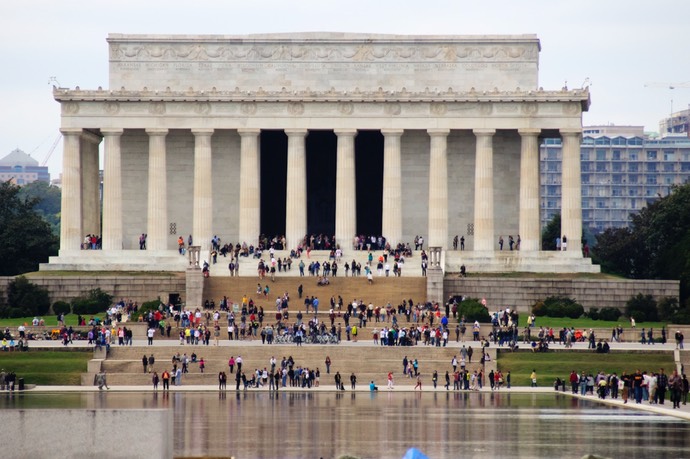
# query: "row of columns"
{"points": [[80, 209]]}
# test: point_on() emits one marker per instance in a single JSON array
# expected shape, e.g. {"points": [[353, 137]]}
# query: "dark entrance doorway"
{"points": [[273, 167], [321, 167], [369, 177]]}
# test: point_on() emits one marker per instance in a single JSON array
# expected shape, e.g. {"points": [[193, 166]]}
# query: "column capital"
{"points": [[345, 132], [115, 132], [570, 132], [203, 132], [91, 137], [249, 132], [296, 132], [157, 131], [483, 132], [71, 131], [437, 132], [529, 131], [392, 132]]}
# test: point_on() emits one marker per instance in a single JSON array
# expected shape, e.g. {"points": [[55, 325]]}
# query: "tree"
{"points": [[48, 201], [551, 231], [656, 245], [25, 299], [27, 239]]}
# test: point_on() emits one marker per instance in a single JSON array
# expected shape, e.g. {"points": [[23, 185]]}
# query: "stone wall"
{"points": [[138, 288], [522, 293]]}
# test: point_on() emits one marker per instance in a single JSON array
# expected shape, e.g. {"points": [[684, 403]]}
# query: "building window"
{"points": [[633, 155], [601, 167], [584, 167], [616, 155], [584, 155], [617, 167], [633, 167], [650, 179], [601, 155], [617, 179], [584, 178], [602, 141], [669, 167], [685, 167], [651, 154], [601, 204], [651, 167], [669, 156], [633, 179]]}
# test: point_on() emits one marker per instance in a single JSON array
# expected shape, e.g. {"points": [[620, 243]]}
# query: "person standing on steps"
{"points": [[353, 381], [145, 362], [328, 365], [447, 380], [533, 377], [338, 380], [434, 378]]}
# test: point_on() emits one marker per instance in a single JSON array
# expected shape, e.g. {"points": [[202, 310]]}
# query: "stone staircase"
{"points": [[369, 362], [383, 290], [248, 265]]}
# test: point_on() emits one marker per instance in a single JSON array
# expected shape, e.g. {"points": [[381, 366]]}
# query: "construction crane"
{"points": [[670, 86], [667, 85], [52, 149]]}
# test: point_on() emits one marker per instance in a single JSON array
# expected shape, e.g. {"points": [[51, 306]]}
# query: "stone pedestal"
{"points": [[194, 291]]}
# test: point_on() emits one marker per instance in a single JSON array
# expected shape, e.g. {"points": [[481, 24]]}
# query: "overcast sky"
{"points": [[620, 45]]}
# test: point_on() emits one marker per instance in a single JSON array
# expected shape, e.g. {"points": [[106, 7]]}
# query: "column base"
{"points": [[116, 260]]}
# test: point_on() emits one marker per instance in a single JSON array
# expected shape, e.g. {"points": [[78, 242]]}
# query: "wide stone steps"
{"points": [[124, 366], [382, 291], [248, 265]]}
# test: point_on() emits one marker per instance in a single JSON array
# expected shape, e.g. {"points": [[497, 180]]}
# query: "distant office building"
{"points": [[676, 124], [21, 169], [622, 171]]}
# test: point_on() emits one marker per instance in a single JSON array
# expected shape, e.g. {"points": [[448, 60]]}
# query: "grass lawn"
{"points": [[550, 365], [47, 367], [51, 321], [583, 322]]}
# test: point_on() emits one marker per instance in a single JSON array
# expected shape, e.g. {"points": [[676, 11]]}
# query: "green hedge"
{"points": [[555, 306]]}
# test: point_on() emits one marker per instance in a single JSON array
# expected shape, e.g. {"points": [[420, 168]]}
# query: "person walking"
{"points": [[533, 377], [390, 380], [419, 383]]}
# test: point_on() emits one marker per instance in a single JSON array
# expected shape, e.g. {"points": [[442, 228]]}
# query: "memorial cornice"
{"points": [[581, 96]]}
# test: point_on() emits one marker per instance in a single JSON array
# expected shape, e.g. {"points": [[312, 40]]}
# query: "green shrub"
{"points": [[642, 308], [472, 309], [61, 307], [25, 299], [555, 306], [668, 307], [610, 314], [593, 313], [96, 301], [146, 307], [539, 309]]}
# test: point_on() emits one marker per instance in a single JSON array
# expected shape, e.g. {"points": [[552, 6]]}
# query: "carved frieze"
{"points": [[157, 108]]}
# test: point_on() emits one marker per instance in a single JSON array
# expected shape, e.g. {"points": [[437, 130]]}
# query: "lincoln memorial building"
{"points": [[317, 133]]}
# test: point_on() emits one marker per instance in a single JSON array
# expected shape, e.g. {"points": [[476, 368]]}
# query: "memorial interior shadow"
{"points": [[273, 182], [321, 154], [369, 174], [321, 172]]}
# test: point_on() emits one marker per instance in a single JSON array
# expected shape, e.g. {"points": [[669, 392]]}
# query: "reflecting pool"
{"points": [[385, 424]]}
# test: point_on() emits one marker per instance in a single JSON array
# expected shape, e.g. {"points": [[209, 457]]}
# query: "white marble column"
{"points": [[571, 192], [345, 189], [70, 221], [250, 186], [202, 224], [529, 190], [157, 226], [112, 190], [90, 184], [391, 211], [296, 188], [438, 188], [484, 191]]}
